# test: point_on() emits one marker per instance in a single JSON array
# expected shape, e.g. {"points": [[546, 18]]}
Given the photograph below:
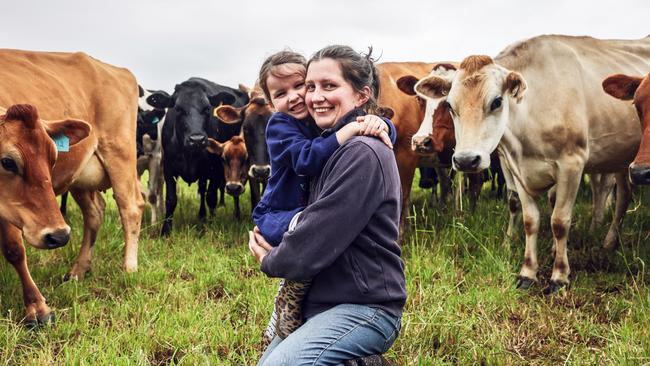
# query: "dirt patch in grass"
{"points": [[216, 292], [164, 355]]}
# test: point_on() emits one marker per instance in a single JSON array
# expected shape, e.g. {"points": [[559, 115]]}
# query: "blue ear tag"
{"points": [[62, 143], [155, 120]]}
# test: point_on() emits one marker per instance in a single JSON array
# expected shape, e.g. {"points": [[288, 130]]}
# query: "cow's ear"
{"points": [[621, 86], [140, 91], [386, 112], [214, 146], [160, 100], [433, 86], [515, 85], [221, 98], [75, 130], [407, 84], [228, 114]]}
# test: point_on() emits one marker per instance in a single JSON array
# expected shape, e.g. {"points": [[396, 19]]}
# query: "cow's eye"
{"points": [[451, 110], [10, 165], [181, 112], [496, 104]]}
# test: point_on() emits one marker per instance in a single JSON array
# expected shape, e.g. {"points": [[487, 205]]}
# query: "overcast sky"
{"points": [[164, 42]]}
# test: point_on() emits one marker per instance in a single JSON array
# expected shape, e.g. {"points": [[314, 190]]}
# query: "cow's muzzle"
{"points": [[234, 188], [640, 174], [260, 172], [466, 162], [197, 141], [422, 144], [56, 239]]}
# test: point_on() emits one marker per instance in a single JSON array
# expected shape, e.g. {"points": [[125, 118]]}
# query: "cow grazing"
{"points": [[27, 202], [74, 85], [406, 118], [637, 89], [151, 117], [539, 102], [254, 117], [188, 125], [235, 165]]}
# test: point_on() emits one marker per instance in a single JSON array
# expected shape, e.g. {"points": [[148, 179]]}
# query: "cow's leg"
{"points": [[514, 210], [211, 195], [566, 190], [64, 204], [156, 187], [202, 187], [36, 310], [92, 207], [623, 198], [475, 185], [445, 185], [407, 161], [237, 211], [222, 194], [255, 192], [170, 203], [601, 187], [501, 183], [528, 272]]}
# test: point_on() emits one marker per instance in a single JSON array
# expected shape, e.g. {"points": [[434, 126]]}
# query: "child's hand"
{"points": [[371, 125]]}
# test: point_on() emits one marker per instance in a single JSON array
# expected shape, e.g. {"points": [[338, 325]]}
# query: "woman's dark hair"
{"points": [[270, 67], [358, 69]]}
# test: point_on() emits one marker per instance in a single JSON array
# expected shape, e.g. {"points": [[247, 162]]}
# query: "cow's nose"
{"points": [[466, 162], [198, 140], [640, 174], [423, 145], [234, 189], [261, 172], [56, 239]]}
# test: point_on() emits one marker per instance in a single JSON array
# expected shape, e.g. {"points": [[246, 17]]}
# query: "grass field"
{"points": [[199, 297]]}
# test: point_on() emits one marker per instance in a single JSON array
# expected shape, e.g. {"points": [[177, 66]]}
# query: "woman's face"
{"points": [[329, 96]]}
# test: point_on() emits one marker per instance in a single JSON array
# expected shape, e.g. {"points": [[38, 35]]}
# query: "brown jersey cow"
{"points": [[27, 202], [75, 85], [407, 117]]}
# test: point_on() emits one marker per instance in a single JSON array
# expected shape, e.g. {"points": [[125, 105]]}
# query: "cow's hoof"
{"points": [[611, 242], [40, 321], [554, 287], [524, 283]]}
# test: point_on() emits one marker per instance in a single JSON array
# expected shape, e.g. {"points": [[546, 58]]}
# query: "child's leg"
{"points": [[288, 307]]}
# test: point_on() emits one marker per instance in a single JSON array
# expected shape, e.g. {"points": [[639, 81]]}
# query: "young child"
{"points": [[297, 152]]}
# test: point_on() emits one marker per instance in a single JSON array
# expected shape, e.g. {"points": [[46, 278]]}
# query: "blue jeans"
{"points": [[345, 332]]}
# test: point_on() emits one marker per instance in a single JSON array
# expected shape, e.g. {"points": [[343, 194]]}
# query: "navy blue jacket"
{"points": [[345, 241], [297, 152]]}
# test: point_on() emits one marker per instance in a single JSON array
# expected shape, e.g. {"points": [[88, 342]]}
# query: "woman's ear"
{"points": [[363, 97]]}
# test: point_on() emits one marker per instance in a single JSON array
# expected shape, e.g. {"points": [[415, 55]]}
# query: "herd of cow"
{"points": [[538, 114]]}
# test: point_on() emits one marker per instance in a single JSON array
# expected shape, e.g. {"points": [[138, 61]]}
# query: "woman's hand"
{"points": [[371, 125], [258, 246]]}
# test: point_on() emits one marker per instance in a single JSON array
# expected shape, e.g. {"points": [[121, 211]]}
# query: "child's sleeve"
{"points": [[392, 131], [289, 145]]}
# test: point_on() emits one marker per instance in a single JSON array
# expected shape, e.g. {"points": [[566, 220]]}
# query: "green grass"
{"points": [[199, 298]]}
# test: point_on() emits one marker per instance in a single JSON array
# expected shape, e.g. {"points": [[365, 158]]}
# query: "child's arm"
{"points": [[287, 144], [371, 125]]}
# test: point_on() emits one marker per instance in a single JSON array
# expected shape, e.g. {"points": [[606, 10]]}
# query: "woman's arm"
{"points": [[352, 190]]}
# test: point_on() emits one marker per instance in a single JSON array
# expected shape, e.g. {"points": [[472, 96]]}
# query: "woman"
{"points": [[345, 241]]}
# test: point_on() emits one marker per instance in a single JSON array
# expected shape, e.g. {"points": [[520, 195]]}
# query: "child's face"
{"points": [[288, 94]]}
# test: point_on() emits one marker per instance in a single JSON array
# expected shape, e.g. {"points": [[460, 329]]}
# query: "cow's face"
{"points": [[427, 140], [152, 107], [255, 117], [192, 110], [637, 89], [27, 157], [235, 163], [478, 98]]}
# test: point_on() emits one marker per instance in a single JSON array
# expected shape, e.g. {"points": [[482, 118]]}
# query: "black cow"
{"points": [[254, 118], [188, 125]]}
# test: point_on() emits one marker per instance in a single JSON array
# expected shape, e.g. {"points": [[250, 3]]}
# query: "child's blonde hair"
{"points": [[281, 64]]}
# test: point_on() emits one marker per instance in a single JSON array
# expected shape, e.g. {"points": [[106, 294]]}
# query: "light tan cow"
{"points": [[27, 200], [75, 85], [540, 104]]}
